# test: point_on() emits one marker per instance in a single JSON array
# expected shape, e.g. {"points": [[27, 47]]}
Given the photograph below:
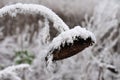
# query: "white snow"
{"points": [[18, 68], [13, 72], [70, 35]]}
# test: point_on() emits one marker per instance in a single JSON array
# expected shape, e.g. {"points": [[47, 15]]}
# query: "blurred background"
{"points": [[20, 34]]}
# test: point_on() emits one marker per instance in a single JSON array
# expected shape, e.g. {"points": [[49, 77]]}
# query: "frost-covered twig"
{"points": [[104, 65], [13, 72]]}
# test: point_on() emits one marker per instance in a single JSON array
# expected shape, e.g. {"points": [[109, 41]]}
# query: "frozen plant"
{"points": [[13, 10], [68, 43], [104, 24]]}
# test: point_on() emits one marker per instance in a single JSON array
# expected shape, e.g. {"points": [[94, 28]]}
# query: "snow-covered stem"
{"points": [[14, 72], [13, 10]]}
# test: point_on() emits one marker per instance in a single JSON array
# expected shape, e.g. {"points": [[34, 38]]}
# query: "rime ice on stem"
{"points": [[13, 72], [13, 10]]}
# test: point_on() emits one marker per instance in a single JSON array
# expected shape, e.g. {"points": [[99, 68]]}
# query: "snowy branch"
{"points": [[13, 10], [13, 72]]}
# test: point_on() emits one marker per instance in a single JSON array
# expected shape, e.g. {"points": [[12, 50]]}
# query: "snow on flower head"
{"points": [[70, 35]]}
